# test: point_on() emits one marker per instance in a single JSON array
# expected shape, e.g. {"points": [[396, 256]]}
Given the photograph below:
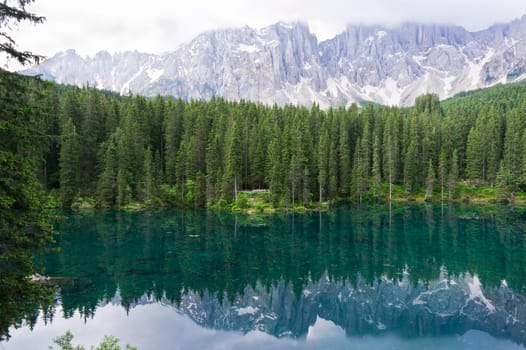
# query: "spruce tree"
{"points": [[430, 181], [91, 132], [333, 171], [107, 184], [275, 167], [295, 176], [523, 157], [503, 183], [391, 151], [69, 164], [233, 163], [410, 170], [323, 163], [512, 158], [345, 155], [453, 176], [147, 188], [359, 180], [172, 137], [24, 219], [256, 156], [442, 171], [376, 171]]}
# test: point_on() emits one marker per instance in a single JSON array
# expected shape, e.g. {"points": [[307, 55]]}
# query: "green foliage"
{"points": [[108, 343], [215, 252], [453, 176], [24, 220], [504, 184], [430, 181], [169, 195], [410, 169], [69, 164], [189, 192], [11, 14], [107, 184], [150, 152], [360, 180]]}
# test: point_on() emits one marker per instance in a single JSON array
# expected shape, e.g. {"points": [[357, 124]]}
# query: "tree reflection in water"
{"points": [[418, 270]]}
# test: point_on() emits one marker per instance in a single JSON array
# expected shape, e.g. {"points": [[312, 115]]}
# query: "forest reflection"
{"points": [[166, 253]]}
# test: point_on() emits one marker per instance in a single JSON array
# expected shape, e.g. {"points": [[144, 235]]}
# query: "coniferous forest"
{"points": [[81, 147], [114, 151]]}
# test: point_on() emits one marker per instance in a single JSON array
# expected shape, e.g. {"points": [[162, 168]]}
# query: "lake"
{"points": [[364, 277]]}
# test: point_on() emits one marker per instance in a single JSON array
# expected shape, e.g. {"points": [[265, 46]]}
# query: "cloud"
{"points": [[159, 26]]}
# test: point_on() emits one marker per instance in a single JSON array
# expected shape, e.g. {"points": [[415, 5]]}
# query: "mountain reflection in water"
{"points": [[407, 276]]}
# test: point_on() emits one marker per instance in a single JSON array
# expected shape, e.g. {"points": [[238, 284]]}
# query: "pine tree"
{"points": [[147, 188], [275, 171], [511, 159], [130, 156], [295, 176], [483, 148], [200, 190], [333, 171], [107, 184], [71, 108], [391, 152], [123, 189], [523, 160], [475, 158], [112, 117], [430, 181], [344, 145], [359, 173], [256, 156], [233, 163], [377, 171], [181, 171], [173, 127], [442, 171], [503, 181], [323, 163], [453, 175], [366, 144], [24, 220], [91, 133], [69, 164], [156, 124], [410, 170]]}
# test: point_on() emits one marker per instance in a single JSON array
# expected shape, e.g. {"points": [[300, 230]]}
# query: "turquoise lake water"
{"points": [[364, 277]]}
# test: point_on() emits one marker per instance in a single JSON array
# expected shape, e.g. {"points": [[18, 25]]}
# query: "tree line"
{"points": [[162, 151]]}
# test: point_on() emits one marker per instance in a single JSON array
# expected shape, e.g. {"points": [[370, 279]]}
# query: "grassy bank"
{"points": [[262, 201]]}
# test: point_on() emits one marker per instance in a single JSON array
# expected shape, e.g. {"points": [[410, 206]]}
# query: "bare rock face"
{"points": [[284, 63]]}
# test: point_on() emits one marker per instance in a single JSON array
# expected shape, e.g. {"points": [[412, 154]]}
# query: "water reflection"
{"points": [[415, 273], [175, 331]]}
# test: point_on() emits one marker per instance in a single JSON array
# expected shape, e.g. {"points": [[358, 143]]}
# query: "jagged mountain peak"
{"points": [[285, 63]]}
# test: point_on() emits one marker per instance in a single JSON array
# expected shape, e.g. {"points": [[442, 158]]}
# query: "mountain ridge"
{"points": [[284, 63]]}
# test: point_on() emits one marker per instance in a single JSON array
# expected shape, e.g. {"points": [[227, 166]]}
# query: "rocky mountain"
{"points": [[285, 63]]}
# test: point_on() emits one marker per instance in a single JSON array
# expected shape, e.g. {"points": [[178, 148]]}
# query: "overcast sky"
{"points": [[161, 25]]}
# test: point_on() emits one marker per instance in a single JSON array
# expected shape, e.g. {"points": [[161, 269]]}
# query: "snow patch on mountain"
{"points": [[248, 48], [284, 63], [154, 73]]}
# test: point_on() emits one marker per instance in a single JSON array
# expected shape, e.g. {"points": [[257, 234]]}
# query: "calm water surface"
{"points": [[412, 277]]}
